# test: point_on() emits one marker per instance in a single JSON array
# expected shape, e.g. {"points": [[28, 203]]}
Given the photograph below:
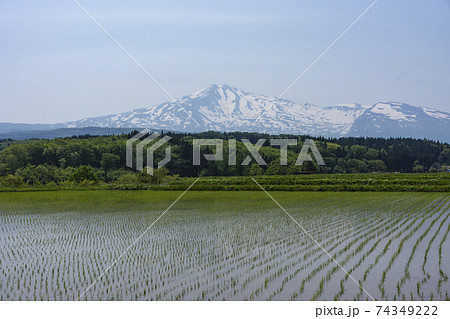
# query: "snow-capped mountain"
{"points": [[224, 108], [392, 119]]}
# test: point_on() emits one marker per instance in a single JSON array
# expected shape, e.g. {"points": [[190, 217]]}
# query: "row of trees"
{"points": [[57, 160]]}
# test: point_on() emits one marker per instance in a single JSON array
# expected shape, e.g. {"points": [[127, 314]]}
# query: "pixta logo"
{"points": [[253, 149], [151, 142], [155, 144]]}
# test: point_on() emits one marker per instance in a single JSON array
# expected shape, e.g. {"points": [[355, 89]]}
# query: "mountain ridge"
{"points": [[225, 108]]}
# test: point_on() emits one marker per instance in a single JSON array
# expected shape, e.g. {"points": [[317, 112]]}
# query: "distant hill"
{"points": [[65, 132], [19, 127]]}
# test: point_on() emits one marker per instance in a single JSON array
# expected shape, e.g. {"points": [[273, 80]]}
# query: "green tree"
{"points": [[356, 166], [109, 161], [255, 169], [143, 177], [417, 167], [275, 168], [14, 157], [376, 166], [309, 167], [444, 157], [37, 174], [159, 175], [358, 152], [341, 166], [84, 173], [372, 154], [3, 169]]}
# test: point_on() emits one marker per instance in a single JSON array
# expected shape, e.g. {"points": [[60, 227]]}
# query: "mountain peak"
{"points": [[225, 86], [212, 88], [219, 86]]}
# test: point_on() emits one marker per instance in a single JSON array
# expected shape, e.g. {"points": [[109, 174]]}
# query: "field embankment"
{"points": [[401, 182]]}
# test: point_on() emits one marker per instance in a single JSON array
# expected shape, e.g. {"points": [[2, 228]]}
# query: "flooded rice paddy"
{"points": [[224, 246]]}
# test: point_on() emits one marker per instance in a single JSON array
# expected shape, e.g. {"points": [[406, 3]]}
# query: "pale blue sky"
{"points": [[57, 65]]}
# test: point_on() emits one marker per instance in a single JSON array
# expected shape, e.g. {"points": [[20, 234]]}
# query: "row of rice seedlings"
{"points": [[381, 225], [387, 233], [386, 230], [214, 262], [380, 228], [443, 208], [407, 275], [295, 294], [401, 230], [337, 239], [297, 270], [426, 274], [50, 266], [400, 247], [258, 290], [443, 277]]}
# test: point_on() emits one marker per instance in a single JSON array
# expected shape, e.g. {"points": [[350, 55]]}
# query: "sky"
{"points": [[57, 65]]}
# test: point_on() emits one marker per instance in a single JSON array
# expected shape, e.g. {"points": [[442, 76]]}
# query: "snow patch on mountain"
{"points": [[435, 113], [393, 111]]}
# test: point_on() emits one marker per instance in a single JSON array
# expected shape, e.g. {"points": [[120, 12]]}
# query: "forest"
{"points": [[103, 158]]}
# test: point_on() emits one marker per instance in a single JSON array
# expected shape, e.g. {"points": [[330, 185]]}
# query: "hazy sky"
{"points": [[57, 65]]}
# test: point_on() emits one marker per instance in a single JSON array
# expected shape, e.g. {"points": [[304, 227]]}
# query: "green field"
{"points": [[372, 182], [224, 245]]}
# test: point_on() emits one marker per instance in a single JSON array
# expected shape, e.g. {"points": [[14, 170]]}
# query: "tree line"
{"points": [[103, 158]]}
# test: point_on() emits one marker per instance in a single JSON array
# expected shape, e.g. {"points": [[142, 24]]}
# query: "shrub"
{"points": [[129, 178], [40, 174], [84, 173], [11, 181], [157, 177]]}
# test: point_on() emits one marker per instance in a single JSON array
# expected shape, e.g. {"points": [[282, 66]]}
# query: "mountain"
{"points": [[224, 108], [393, 119]]}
